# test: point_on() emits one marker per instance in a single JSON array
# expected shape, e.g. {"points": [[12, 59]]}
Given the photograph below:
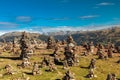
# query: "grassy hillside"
{"points": [[103, 67]]}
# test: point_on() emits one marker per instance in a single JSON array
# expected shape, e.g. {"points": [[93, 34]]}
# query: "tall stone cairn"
{"points": [[14, 42], [13, 46], [24, 45], [70, 41], [50, 43]]}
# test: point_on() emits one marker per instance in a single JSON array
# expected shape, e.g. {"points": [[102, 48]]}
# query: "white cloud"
{"points": [[70, 28], [2, 32], [64, 18], [45, 29], [8, 24], [21, 30], [23, 18], [58, 28], [89, 16], [105, 4]]}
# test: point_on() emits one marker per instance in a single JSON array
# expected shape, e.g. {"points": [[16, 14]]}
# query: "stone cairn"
{"points": [[13, 45], [25, 63], [91, 74], [111, 76], [69, 76], [70, 40], [69, 52], [9, 70], [50, 43], [24, 41], [36, 69], [92, 64], [91, 47]]}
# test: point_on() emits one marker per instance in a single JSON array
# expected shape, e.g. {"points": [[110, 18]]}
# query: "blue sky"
{"points": [[54, 15]]}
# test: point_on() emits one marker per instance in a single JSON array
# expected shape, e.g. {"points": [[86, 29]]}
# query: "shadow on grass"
{"points": [[47, 70], [86, 76], [117, 62], [84, 67], [46, 54], [58, 63], [12, 58], [118, 78], [98, 59], [28, 73]]}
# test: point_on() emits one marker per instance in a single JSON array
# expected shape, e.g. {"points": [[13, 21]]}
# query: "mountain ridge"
{"points": [[97, 36]]}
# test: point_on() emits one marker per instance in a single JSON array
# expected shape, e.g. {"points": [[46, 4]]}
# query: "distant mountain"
{"points": [[99, 36], [11, 35], [63, 33]]}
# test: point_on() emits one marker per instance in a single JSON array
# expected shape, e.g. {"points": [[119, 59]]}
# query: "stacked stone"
{"points": [[69, 51], [110, 53], [64, 42], [36, 69], [24, 46], [52, 66], [25, 63], [86, 46], [91, 74], [69, 56], [111, 76], [8, 69], [92, 64], [100, 54], [118, 49], [69, 76], [100, 46], [91, 47], [15, 42], [44, 62], [51, 43], [70, 41], [13, 45]]}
